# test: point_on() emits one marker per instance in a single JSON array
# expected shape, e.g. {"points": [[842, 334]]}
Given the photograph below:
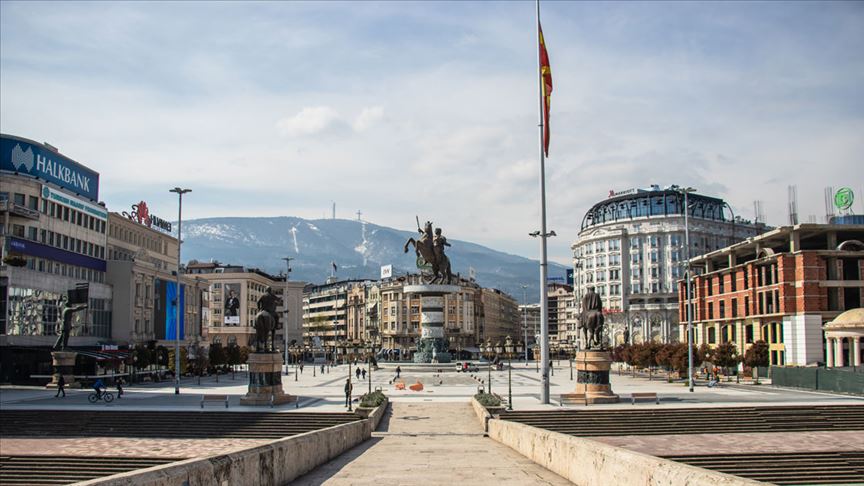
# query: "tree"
{"points": [[234, 357], [757, 356], [217, 355], [725, 356]]}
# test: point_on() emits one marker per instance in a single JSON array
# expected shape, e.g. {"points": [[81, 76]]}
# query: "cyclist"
{"points": [[98, 386]]}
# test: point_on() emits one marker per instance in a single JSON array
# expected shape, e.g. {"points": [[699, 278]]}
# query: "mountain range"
{"points": [[358, 248]]}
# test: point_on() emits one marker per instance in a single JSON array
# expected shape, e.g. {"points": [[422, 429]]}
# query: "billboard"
{"points": [[63, 199], [37, 160], [570, 276], [386, 271], [165, 309], [231, 311]]}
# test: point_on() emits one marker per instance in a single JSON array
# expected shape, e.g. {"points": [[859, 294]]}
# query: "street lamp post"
{"points": [[525, 320], [508, 348], [180, 193], [285, 311], [686, 191]]}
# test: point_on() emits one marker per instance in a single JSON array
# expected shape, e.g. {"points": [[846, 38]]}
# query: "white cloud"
{"points": [[368, 117], [309, 121]]}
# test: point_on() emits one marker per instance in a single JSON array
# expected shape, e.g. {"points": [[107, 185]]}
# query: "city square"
{"points": [[269, 243]]}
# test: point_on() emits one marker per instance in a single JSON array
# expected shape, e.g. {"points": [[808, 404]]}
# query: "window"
{"points": [[18, 230], [748, 333], [614, 245], [615, 274], [734, 307], [636, 288], [634, 242], [653, 256], [711, 310], [32, 233], [33, 203], [722, 309], [721, 283], [712, 335], [746, 305], [675, 240], [733, 281], [19, 199]]}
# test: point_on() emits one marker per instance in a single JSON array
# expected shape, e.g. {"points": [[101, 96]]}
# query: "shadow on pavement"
{"points": [[327, 470]]}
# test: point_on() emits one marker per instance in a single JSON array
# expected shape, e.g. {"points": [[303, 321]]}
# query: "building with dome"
{"points": [[631, 249]]}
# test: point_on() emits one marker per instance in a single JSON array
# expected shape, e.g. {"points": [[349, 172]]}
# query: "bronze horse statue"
{"points": [[424, 247], [265, 332], [591, 320]]}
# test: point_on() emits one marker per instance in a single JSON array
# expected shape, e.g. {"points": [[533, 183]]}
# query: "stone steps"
{"points": [[786, 468], [20, 470], [588, 423], [205, 424]]}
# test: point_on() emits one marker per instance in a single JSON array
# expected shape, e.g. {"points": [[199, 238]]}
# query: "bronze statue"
{"points": [[591, 320], [267, 321], [429, 249], [68, 314]]}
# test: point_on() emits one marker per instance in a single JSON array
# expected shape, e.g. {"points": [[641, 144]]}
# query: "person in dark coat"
{"points": [[119, 387], [348, 389], [357, 373], [61, 387], [398, 371]]}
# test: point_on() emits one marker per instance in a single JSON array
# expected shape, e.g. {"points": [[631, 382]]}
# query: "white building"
{"points": [[631, 249]]}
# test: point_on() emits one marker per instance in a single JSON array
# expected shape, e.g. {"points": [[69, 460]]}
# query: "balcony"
{"points": [[18, 210]]}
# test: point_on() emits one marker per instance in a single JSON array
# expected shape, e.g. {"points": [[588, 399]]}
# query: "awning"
{"points": [[105, 356], [471, 349]]}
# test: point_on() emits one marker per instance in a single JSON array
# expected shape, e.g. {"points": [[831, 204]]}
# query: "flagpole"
{"points": [[544, 304]]}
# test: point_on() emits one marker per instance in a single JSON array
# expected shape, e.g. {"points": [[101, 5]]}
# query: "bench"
{"points": [[573, 399], [644, 396], [214, 398]]}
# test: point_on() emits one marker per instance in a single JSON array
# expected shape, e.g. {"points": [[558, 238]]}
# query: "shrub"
{"points": [[488, 399], [372, 400]]}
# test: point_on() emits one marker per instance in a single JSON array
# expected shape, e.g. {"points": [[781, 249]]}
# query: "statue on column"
{"points": [[591, 320], [67, 315], [431, 260]]}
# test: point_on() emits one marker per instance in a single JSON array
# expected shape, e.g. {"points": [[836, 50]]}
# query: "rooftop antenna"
{"points": [[793, 205], [829, 204]]}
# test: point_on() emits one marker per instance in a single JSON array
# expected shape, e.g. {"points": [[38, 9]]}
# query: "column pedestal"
{"points": [[64, 364], [592, 376], [432, 347], [265, 381]]}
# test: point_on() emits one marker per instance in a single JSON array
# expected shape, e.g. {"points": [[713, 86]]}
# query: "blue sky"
{"points": [[398, 108]]}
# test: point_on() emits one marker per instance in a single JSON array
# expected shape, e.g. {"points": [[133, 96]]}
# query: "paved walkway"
{"points": [[431, 443]]}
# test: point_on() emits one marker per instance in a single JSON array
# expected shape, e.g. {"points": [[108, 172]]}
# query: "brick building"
{"points": [[780, 287]]}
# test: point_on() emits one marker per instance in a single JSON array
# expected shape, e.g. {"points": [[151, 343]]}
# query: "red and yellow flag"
{"points": [[546, 88]]}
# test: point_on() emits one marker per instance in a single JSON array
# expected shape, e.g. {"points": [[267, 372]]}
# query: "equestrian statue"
{"points": [[429, 248], [267, 322], [591, 320]]}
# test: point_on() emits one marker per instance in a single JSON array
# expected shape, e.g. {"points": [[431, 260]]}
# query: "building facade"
{"points": [[53, 239], [500, 316], [142, 270], [631, 248], [362, 312], [233, 292], [781, 287]]}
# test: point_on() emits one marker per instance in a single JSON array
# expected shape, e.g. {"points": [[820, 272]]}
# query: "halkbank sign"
{"points": [[31, 158]]}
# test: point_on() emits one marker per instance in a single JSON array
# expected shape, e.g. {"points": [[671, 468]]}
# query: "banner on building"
{"points": [[23, 156], [231, 311], [165, 309], [386, 271], [570, 280]]}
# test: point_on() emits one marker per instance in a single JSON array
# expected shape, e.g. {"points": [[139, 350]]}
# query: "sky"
{"points": [[429, 109]]}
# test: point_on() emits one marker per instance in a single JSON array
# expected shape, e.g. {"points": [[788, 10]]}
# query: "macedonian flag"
{"points": [[546, 88]]}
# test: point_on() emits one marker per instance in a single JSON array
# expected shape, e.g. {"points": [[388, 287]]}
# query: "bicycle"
{"points": [[107, 396]]}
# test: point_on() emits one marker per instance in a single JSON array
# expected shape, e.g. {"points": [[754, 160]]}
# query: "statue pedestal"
{"points": [[432, 347], [265, 381], [592, 368], [64, 364]]}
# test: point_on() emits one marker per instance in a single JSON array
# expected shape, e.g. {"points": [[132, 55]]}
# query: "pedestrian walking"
{"points": [[119, 387], [348, 389], [301, 368], [322, 369], [61, 387], [357, 372], [398, 371], [364, 373]]}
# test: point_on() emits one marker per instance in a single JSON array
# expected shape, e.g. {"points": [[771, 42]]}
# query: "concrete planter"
{"points": [[373, 414]]}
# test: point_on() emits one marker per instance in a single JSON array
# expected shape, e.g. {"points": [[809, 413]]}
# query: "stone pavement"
{"points": [[431, 443], [743, 443], [124, 446]]}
